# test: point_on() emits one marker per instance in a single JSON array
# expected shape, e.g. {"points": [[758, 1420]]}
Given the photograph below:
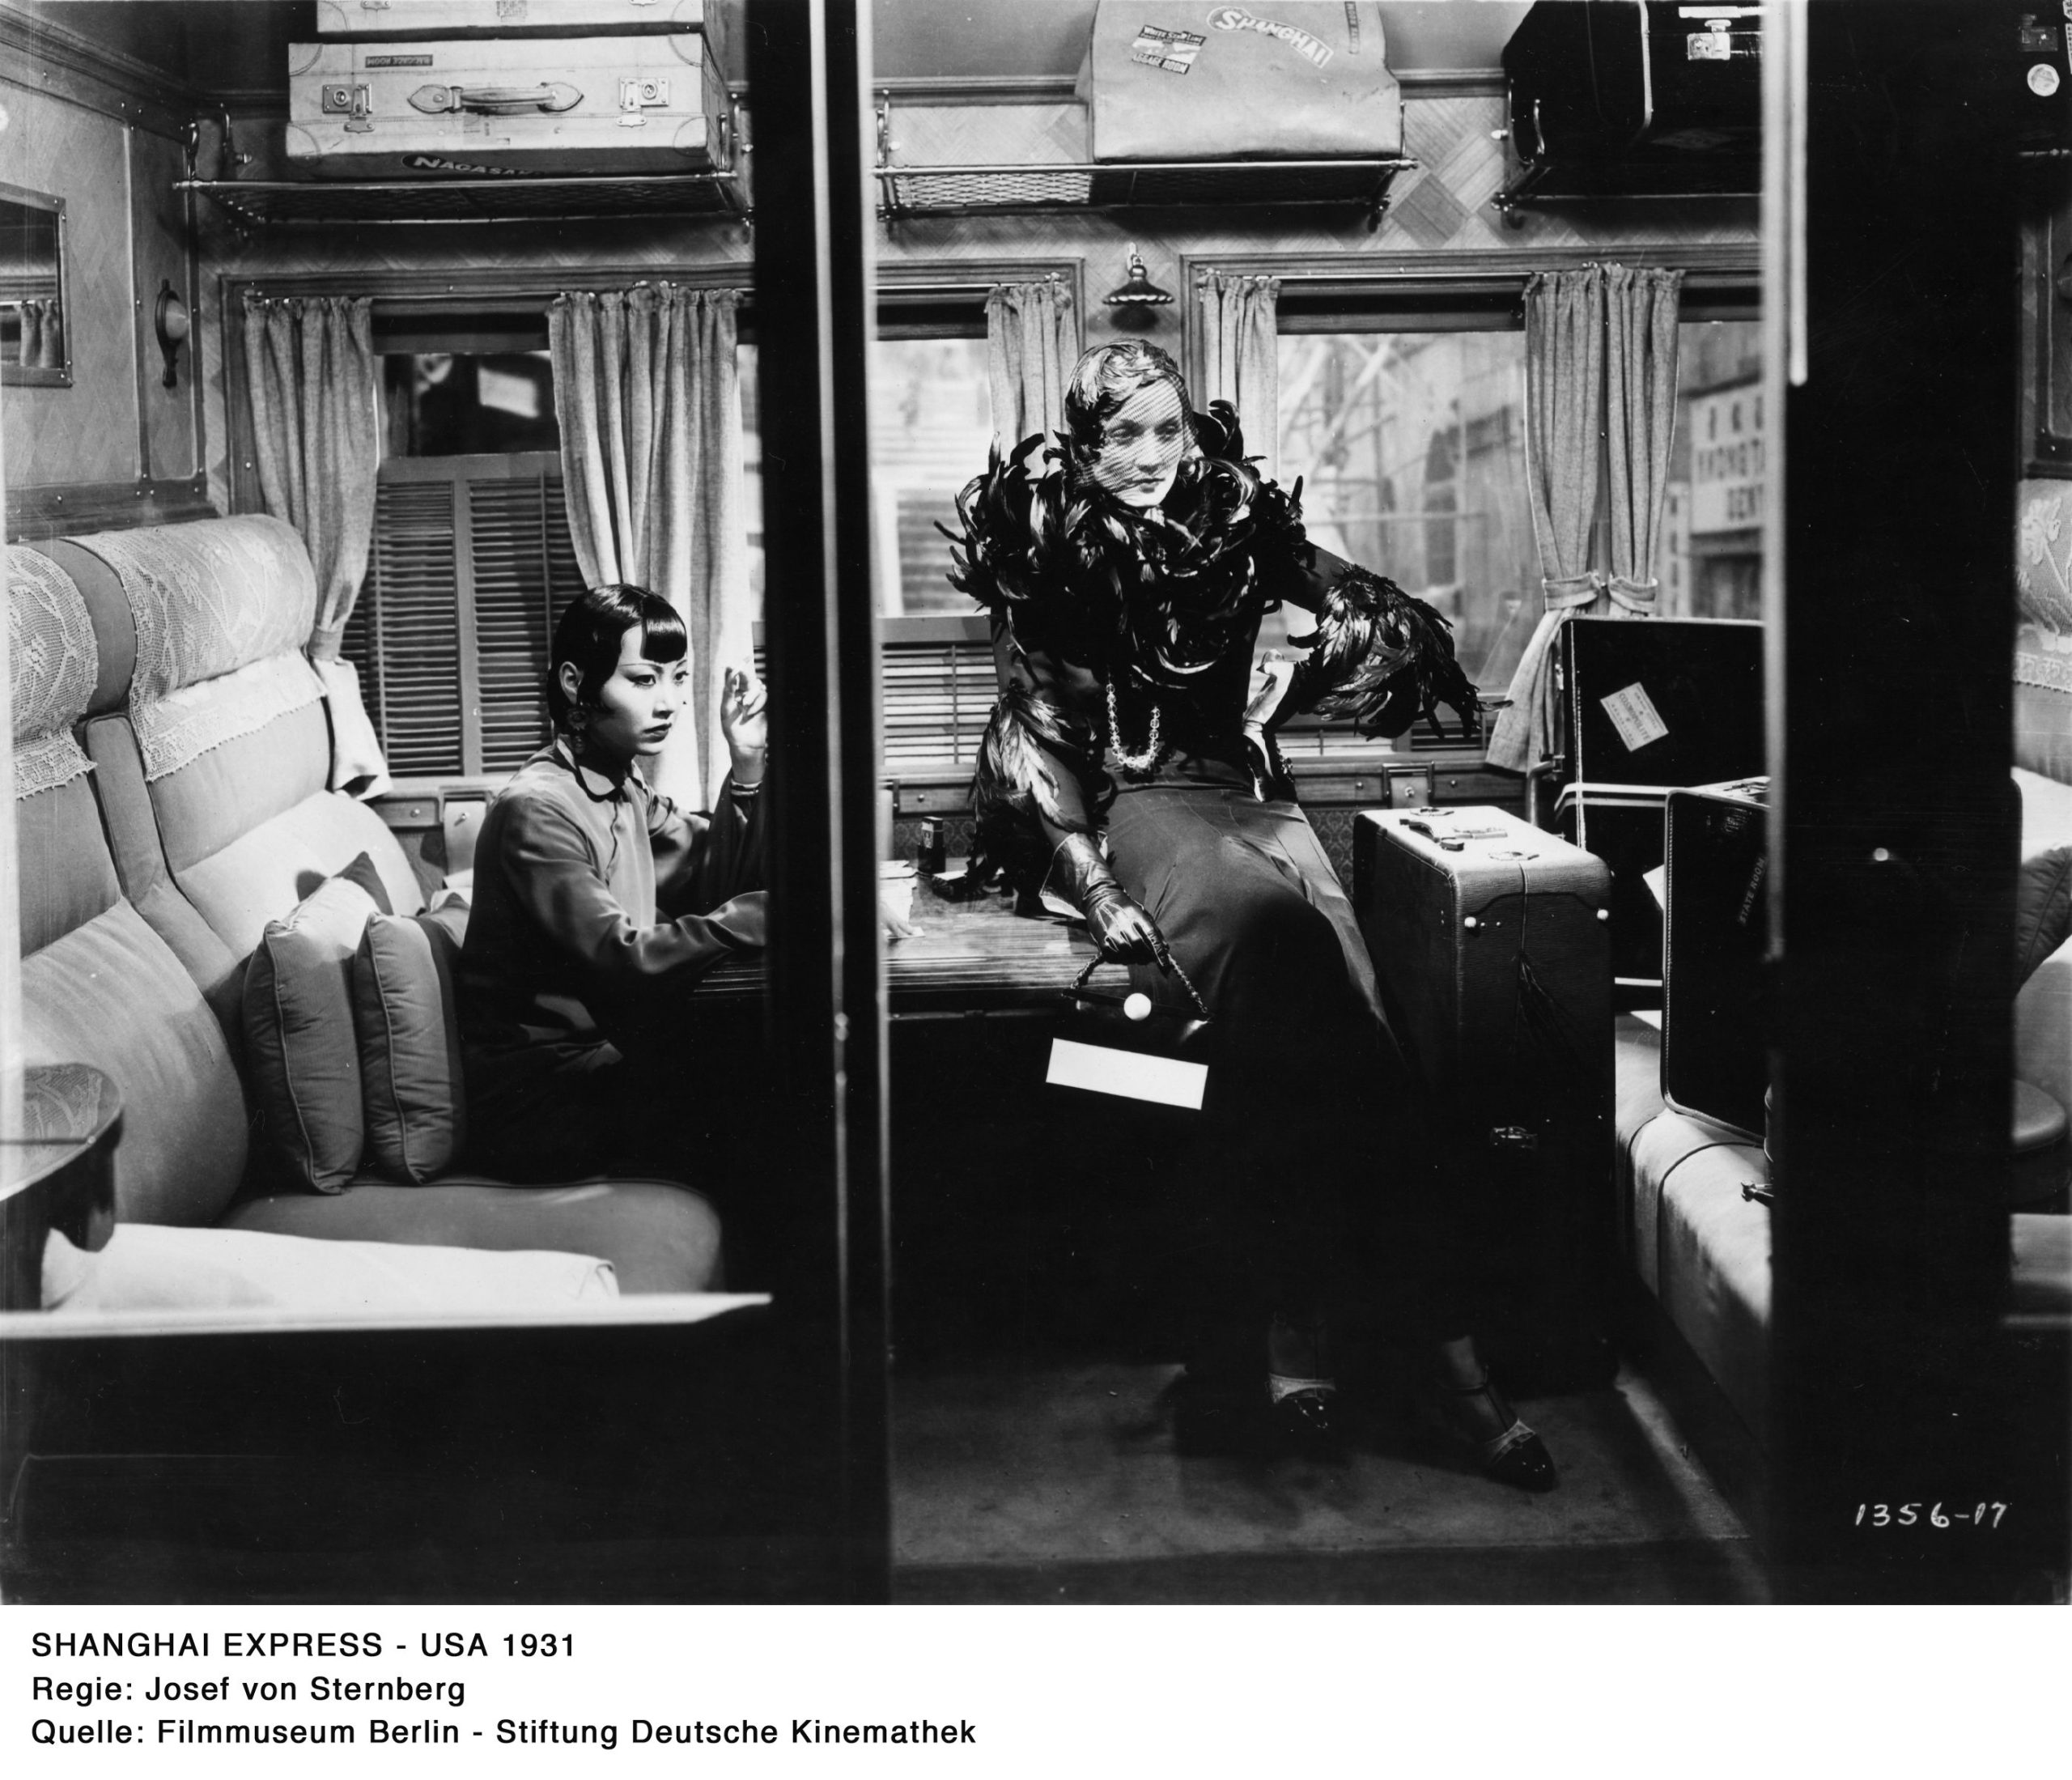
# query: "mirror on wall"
{"points": [[36, 344]]}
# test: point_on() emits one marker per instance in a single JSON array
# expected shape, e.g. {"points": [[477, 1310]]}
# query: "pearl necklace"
{"points": [[1153, 749]]}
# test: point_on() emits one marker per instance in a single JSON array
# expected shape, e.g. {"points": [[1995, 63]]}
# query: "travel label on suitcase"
{"points": [[474, 109], [1277, 80]]}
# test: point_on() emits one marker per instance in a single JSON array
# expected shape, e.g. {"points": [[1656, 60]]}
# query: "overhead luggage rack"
{"points": [[263, 203], [975, 190]]}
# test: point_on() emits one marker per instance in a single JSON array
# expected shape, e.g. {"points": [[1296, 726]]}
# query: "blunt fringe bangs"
{"points": [[591, 632]]}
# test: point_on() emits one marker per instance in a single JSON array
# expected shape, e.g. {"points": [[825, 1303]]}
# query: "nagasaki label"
{"points": [[1634, 716]]}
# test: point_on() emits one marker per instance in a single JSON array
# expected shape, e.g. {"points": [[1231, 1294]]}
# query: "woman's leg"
{"points": [[1295, 1045]]}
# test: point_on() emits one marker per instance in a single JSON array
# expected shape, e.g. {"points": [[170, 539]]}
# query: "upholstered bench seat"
{"points": [[1701, 1246], [173, 753]]}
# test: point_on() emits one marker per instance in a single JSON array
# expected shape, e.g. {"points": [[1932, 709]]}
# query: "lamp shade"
{"points": [[1137, 291]]}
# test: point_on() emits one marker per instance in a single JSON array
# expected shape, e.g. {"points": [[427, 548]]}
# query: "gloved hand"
{"points": [[1121, 929]]}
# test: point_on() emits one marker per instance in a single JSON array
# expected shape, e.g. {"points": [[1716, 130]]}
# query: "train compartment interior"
{"points": [[1728, 940]]}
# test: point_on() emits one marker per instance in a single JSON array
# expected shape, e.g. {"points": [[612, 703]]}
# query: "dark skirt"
{"points": [[1317, 1176]]}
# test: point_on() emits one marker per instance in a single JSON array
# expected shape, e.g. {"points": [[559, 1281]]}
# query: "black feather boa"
{"points": [[1158, 600]]}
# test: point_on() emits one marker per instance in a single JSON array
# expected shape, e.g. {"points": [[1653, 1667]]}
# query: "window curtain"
{"points": [[1241, 357], [649, 402], [314, 384], [1565, 314], [1640, 419], [1032, 343]]}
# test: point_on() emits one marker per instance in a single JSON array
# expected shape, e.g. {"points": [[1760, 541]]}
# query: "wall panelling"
{"points": [[87, 433]]}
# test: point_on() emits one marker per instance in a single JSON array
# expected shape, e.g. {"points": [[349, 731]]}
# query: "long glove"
{"points": [[1121, 929]]}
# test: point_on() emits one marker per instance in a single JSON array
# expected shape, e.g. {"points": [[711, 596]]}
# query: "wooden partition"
{"points": [[1892, 617]]}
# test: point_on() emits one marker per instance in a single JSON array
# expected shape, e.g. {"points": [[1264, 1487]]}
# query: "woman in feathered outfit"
{"points": [[1130, 767]]}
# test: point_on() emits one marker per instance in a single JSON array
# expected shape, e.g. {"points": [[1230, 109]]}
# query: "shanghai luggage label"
{"points": [[511, 108], [1492, 942]]}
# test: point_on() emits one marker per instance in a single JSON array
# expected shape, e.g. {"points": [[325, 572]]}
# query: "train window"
{"points": [[1412, 448], [933, 421], [1710, 564]]}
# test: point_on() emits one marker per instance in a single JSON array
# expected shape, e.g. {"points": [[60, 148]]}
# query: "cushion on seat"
{"points": [[152, 1268], [299, 1037], [659, 1237], [405, 1014], [273, 866], [110, 994]]}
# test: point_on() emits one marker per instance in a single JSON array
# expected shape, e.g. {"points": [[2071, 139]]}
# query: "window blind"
{"points": [[937, 693], [470, 567]]}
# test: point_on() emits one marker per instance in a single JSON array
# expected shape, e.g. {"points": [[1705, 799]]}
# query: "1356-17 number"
{"points": [[1911, 1514]]}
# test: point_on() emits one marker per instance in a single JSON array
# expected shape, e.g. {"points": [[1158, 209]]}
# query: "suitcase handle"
{"points": [[497, 101]]}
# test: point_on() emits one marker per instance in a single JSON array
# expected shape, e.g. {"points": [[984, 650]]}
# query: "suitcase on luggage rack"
{"points": [[1490, 938], [1296, 82], [473, 108]]}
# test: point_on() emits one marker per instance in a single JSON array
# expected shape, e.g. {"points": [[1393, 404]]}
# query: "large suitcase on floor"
{"points": [[475, 109], [1715, 919], [1490, 938], [1301, 80]]}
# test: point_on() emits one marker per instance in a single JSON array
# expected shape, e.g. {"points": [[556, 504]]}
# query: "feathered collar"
{"points": [[1161, 592]]}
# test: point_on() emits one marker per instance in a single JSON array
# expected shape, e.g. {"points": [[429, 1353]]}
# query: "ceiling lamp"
{"points": [[1137, 291]]}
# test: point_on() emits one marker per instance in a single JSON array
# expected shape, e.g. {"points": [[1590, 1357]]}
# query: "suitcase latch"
{"points": [[1411, 787], [1516, 1137], [343, 98], [638, 93]]}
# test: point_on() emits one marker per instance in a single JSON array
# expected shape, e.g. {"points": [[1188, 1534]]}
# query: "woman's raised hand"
{"points": [[743, 720]]}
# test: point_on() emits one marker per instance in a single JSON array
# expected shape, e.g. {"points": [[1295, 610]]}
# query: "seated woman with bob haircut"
{"points": [[599, 905]]}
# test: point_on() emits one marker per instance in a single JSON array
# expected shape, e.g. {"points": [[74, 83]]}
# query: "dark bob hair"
{"points": [[592, 632]]}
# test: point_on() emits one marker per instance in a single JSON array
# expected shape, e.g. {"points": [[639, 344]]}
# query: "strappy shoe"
{"points": [[1517, 1456], [1306, 1420]]}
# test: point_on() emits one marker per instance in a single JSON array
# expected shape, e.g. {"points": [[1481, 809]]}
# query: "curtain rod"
{"points": [[1460, 279], [965, 287]]}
